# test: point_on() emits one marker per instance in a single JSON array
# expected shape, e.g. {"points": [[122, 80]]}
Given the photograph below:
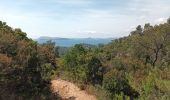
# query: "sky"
{"points": [[82, 18]]}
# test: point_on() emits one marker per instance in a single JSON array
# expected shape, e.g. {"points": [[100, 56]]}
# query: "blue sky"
{"points": [[82, 18]]}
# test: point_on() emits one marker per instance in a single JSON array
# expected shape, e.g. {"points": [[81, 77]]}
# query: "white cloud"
{"points": [[63, 18], [72, 2], [142, 17], [160, 20]]}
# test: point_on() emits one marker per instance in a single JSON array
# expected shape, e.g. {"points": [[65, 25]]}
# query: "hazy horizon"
{"points": [[82, 18], [75, 37]]}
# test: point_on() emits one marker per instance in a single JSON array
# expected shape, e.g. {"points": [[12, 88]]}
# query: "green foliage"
{"points": [[47, 71], [83, 66], [26, 67], [20, 35], [118, 86], [134, 67], [154, 87]]}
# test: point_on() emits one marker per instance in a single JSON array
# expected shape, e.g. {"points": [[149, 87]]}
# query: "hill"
{"points": [[136, 67], [69, 42]]}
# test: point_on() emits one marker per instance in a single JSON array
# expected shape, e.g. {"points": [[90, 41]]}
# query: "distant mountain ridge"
{"points": [[69, 42], [50, 38]]}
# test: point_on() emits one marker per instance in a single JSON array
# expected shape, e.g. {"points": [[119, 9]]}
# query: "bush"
{"points": [[117, 86]]}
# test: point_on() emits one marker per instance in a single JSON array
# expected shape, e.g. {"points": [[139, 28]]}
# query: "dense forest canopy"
{"points": [[133, 67]]}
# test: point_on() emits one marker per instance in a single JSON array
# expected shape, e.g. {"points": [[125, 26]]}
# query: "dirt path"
{"points": [[69, 91]]}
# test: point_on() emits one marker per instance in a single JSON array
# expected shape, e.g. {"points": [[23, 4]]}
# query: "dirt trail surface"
{"points": [[69, 91]]}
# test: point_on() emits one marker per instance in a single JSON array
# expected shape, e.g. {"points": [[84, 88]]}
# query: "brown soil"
{"points": [[69, 91]]}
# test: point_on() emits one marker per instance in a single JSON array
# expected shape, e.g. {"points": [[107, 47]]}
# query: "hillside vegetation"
{"points": [[136, 67], [25, 66], [132, 67]]}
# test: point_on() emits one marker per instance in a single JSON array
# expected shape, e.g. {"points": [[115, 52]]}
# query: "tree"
{"points": [[74, 63], [25, 73], [20, 35], [83, 65], [117, 85], [138, 30], [154, 41], [168, 21], [95, 71], [147, 26]]}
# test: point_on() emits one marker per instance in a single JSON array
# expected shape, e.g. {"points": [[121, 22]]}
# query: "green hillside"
{"points": [[136, 67], [132, 67]]}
